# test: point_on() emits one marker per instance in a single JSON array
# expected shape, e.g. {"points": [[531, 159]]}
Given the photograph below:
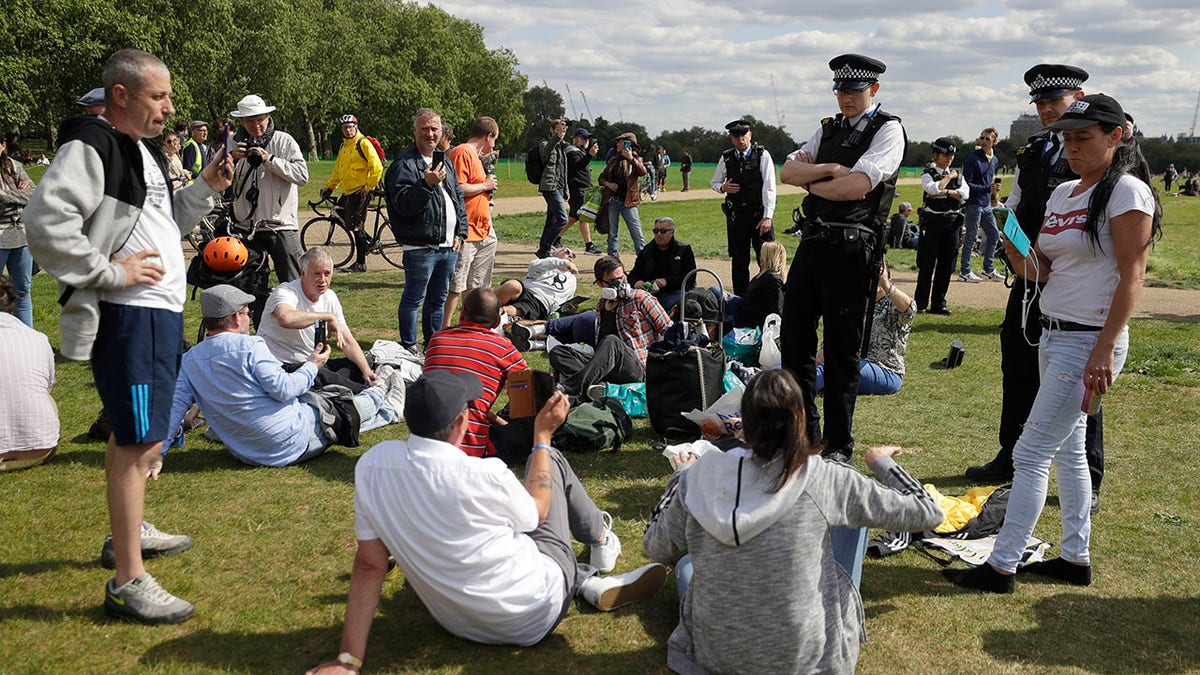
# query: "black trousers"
{"points": [[1021, 377], [937, 252], [829, 281], [741, 228]]}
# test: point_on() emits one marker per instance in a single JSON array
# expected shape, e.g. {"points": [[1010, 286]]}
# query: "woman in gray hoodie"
{"points": [[767, 594]]}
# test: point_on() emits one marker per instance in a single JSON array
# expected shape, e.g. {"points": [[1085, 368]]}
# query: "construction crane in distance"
{"points": [[775, 95], [1192, 131]]}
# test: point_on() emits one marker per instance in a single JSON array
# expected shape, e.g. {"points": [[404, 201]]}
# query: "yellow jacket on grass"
{"points": [[358, 166]]}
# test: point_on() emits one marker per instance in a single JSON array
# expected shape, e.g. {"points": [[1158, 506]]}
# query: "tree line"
{"points": [[313, 59]]}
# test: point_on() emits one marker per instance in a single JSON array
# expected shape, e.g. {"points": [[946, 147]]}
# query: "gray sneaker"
{"points": [[144, 601], [154, 544]]}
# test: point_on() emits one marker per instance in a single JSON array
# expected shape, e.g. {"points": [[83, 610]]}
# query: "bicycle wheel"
{"points": [[330, 235], [386, 246]]}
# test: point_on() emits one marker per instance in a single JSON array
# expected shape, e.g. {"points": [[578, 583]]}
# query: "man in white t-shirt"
{"points": [[491, 559], [292, 312], [106, 224]]}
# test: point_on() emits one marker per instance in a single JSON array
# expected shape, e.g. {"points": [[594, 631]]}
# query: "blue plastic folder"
{"points": [[1012, 229]]}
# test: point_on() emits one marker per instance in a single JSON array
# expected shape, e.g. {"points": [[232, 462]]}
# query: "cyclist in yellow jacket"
{"points": [[357, 172]]}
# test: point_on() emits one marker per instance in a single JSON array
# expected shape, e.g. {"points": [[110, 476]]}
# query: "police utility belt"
{"points": [[820, 232]]}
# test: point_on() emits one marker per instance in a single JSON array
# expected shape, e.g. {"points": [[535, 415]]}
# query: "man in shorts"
{"points": [[473, 269], [105, 223]]}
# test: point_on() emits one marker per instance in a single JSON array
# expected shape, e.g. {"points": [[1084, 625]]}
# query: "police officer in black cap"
{"points": [[945, 192], [849, 167], [746, 176], [1041, 167]]}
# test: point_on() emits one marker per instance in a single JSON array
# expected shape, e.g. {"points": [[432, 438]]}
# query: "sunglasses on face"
{"points": [[661, 230]]}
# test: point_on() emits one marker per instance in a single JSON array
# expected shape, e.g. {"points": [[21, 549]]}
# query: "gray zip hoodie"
{"points": [[767, 595]]}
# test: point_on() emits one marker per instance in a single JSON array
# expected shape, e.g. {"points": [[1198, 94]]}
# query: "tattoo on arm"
{"points": [[540, 480]]}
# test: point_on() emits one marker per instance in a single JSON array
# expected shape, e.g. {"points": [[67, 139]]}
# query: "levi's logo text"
{"points": [[1075, 220]]}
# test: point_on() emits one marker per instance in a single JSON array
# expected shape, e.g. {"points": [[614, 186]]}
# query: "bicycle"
{"points": [[647, 186], [206, 230], [329, 231]]}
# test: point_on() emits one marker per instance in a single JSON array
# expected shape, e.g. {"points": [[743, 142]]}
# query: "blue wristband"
{"points": [[541, 447]]}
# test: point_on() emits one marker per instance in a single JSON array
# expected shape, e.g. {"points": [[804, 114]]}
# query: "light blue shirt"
{"points": [[247, 398]]}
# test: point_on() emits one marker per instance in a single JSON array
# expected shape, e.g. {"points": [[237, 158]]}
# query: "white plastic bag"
{"points": [[723, 418], [769, 357]]}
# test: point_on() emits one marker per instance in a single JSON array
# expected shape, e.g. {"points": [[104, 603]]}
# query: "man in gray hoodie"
{"points": [[106, 224]]}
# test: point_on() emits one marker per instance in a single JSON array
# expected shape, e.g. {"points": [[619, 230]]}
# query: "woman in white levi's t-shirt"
{"points": [[1091, 253]]}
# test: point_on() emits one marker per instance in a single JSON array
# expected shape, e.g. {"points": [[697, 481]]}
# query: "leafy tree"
{"points": [[540, 104]]}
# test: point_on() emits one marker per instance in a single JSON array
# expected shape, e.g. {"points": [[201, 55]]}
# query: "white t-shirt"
{"points": [[295, 345], [447, 204], [155, 230], [456, 525], [1083, 277]]}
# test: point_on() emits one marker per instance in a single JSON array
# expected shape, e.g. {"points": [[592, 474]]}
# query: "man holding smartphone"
{"points": [[979, 172], [429, 218]]}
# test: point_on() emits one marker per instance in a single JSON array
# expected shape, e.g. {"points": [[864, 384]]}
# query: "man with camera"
{"points": [[746, 176], [429, 218], [357, 172], [580, 153], [849, 167], [268, 172], [628, 321], [553, 185], [297, 310], [263, 413]]}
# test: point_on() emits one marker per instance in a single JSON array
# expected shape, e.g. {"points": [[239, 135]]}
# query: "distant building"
{"points": [[1023, 127]]}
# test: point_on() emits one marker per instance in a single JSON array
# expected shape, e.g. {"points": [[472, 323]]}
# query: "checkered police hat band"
{"points": [[1055, 82], [852, 73]]}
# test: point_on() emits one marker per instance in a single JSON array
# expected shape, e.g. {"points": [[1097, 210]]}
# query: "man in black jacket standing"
{"points": [[429, 218], [745, 174]]}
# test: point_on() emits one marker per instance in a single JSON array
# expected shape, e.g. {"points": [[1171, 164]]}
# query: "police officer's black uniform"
{"points": [[941, 220], [743, 209], [831, 275], [1042, 166]]}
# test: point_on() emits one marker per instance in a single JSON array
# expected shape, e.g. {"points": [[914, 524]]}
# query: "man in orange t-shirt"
{"points": [[478, 252]]}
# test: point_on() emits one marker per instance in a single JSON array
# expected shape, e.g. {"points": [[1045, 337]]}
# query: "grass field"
{"points": [[270, 569]]}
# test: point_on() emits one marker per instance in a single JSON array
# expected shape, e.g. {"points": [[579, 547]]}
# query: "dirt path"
{"points": [[1159, 303]]}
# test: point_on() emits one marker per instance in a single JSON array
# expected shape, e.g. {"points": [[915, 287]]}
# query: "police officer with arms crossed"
{"points": [[849, 167], [746, 176], [1041, 167]]}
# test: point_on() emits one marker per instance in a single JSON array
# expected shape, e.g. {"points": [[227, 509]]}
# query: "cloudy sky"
{"points": [[673, 64]]}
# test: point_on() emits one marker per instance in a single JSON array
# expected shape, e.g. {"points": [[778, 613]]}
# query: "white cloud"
{"points": [[675, 64]]}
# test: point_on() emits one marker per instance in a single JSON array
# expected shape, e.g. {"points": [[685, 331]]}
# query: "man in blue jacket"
{"points": [[429, 218], [979, 170]]}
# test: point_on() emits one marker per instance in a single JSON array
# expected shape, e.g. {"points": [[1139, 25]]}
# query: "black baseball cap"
{"points": [[583, 133], [1089, 110], [436, 398]]}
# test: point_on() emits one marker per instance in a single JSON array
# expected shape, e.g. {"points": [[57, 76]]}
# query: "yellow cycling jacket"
{"points": [[351, 172]]}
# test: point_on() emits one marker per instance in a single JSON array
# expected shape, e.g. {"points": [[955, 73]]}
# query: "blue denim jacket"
{"points": [[416, 210]]}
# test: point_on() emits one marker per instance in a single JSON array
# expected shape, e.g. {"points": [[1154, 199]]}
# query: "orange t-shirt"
{"points": [[470, 170]]}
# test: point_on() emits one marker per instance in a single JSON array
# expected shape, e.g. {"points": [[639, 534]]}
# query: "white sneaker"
{"points": [[605, 554], [609, 593], [994, 275], [970, 278]]}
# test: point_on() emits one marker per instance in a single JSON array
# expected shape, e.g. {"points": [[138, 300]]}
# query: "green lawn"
{"points": [[270, 569]]}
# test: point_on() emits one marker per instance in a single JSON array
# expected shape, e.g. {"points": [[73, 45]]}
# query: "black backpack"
{"points": [[591, 427], [533, 164]]}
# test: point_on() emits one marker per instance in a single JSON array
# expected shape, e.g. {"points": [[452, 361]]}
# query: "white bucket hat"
{"points": [[251, 106]]}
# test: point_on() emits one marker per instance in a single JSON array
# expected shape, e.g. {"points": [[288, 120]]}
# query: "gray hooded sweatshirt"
{"points": [[767, 595]]}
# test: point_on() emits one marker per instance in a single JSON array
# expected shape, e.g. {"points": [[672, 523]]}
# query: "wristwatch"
{"points": [[348, 659]]}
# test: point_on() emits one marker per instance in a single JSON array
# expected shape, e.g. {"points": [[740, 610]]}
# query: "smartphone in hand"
{"points": [[321, 332], [439, 158]]}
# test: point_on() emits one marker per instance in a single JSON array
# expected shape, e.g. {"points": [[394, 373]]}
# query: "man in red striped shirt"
{"points": [[472, 347]]}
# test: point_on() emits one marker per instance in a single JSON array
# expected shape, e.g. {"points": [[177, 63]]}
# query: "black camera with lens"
{"points": [[254, 158]]}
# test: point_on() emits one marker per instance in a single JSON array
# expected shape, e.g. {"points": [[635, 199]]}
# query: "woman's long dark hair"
{"points": [[1127, 159], [6, 164], [773, 422]]}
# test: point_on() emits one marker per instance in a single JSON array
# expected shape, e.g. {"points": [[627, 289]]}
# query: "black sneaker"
{"points": [[357, 267], [794, 230], [520, 336], [591, 249], [841, 455], [992, 472]]}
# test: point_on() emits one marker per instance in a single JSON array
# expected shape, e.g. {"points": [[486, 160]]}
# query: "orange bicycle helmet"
{"points": [[225, 254]]}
